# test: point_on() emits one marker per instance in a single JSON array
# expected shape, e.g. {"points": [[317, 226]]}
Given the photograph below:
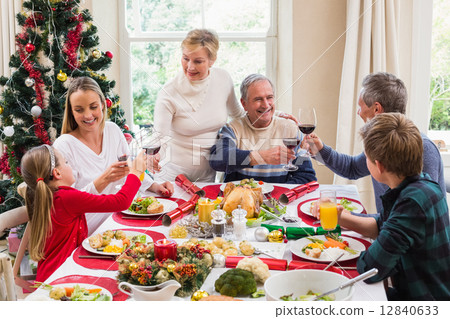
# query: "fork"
{"points": [[260, 252]]}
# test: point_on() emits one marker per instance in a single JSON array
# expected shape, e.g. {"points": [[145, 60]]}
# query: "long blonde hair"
{"points": [[37, 167], [82, 83]]}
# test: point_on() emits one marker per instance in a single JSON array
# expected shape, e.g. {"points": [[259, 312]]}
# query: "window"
{"points": [[440, 72], [155, 29]]}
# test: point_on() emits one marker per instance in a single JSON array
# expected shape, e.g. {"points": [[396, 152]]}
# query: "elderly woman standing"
{"points": [[192, 107]]}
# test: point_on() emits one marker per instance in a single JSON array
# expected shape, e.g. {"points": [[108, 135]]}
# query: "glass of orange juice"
{"points": [[328, 209]]}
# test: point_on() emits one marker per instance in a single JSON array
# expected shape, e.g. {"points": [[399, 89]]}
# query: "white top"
{"points": [[189, 115], [87, 165]]}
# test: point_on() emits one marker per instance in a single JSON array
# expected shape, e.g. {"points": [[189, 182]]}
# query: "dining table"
{"points": [[103, 272]]}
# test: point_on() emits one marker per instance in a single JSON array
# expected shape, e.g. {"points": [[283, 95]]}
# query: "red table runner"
{"points": [[145, 220], [104, 282], [212, 191], [108, 264], [348, 263]]}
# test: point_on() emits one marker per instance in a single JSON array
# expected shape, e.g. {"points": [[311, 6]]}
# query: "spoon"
{"points": [[350, 282], [334, 261]]}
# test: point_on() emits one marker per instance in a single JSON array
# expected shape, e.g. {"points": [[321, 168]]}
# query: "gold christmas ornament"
{"points": [[170, 267], [96, 54], [199, 294], [275, 236], [133, 266], [61, 76], [1, 109]]}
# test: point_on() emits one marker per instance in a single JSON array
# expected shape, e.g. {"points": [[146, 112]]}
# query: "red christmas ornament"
{"points": [[128, 137], [29, 47], [108, 103], [109, 54], [126, 127]]}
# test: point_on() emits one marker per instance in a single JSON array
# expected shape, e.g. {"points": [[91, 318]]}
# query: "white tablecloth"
{"points": [[363, 291]]}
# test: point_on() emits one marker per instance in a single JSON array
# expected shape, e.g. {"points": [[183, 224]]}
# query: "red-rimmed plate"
{"points": [[43, 294], [306, 205], [328, 254]]}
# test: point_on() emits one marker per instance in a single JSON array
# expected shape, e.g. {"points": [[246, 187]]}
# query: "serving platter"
{"points": [[169, 205], [327, 256], [274, 249], [266, 188], [129, 234]]}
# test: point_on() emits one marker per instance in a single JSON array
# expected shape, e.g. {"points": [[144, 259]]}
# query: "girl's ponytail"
{"points": [[37, 166]]}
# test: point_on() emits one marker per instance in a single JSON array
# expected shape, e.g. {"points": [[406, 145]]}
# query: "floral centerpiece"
{"points": [[137, 265]]}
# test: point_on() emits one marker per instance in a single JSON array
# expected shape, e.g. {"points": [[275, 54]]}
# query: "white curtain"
{"points": [[371, 46], [8, 30]]}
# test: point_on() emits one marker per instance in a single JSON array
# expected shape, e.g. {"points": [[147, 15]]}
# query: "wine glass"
{"points": [[150, 141], [291, 143], [307, 124]]}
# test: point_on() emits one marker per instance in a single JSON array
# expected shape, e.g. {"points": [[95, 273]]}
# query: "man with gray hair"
{"points": [[380, 93], [252, 146]]}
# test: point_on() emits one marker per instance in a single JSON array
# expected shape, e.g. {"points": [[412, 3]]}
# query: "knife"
{"points": [[350, 282], [96, 257]]}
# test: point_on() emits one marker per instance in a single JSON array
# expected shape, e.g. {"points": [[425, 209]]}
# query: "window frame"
{"points": [[126, 39]]}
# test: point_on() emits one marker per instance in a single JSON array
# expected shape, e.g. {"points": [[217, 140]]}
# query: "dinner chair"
{"points": [[23, 281], [7, 287]]}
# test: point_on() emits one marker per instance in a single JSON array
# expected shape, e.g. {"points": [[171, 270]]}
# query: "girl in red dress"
{"points": [[57, 211]]}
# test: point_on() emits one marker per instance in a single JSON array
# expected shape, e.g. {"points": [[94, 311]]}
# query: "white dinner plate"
{"points": [[129, 234], [43, 294], [297, 246], [266, 187], [274, 249], [169, 205], [306, 205]]}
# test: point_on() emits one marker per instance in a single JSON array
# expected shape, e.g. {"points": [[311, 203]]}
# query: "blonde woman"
{"points": [[92, 146]]}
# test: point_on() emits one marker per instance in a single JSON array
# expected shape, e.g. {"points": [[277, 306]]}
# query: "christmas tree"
{"points": [[57, 42]]}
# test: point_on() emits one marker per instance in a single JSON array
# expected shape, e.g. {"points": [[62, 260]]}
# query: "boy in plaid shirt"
{"points": [[412, 244]]}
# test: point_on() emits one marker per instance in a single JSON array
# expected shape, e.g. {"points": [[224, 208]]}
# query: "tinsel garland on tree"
{"points": [[57, 42]]}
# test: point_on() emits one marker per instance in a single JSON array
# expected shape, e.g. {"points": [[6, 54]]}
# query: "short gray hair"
{"points": [[386, 89], [249, 80]]}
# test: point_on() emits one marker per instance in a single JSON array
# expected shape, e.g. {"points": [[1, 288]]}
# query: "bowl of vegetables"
{"points": [[305, 284]]}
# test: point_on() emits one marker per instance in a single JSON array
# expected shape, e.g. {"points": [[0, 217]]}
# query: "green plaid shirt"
{"points": [[413, 243]]}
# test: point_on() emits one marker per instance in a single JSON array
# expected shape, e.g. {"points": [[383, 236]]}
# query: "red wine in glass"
{"points": [[291, 143], [152, 150], [306, 128]]}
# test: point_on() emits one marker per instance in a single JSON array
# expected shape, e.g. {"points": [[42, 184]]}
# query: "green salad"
{"points": [[347, 204], [140, 204], [263, 216]]}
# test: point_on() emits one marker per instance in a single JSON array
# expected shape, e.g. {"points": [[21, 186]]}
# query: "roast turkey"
{"points": [[247, 197]]}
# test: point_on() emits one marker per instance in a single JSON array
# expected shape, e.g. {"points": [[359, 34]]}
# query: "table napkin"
{"points": [[108, 264]]}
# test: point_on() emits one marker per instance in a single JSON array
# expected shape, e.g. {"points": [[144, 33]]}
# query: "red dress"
{"points": [[69, 227]]}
